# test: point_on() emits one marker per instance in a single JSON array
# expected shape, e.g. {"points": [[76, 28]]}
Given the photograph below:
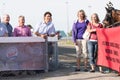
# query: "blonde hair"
{"points": [[98, 20], [84, 15], [21, 16]]}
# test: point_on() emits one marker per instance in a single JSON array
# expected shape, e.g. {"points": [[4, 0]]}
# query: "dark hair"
{"points": [[47, 13]]}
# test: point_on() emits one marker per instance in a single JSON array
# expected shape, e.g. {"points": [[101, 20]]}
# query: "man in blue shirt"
{"points": [[5, 23], [46, 27]]}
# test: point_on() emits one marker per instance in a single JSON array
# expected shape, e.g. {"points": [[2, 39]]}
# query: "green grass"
{"points": [[65, 43]]}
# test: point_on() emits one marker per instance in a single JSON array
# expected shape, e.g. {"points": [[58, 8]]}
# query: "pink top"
{"points": [[22, 31], [93, 35]]}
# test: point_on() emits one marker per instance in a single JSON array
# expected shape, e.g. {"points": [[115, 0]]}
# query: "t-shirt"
{"points": [[78, 29], [93, 35]]}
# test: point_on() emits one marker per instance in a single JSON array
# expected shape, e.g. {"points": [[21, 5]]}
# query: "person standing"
{"points": [[92, 42], [22, 29], [78, 29], [45, 28], [5, 23]]}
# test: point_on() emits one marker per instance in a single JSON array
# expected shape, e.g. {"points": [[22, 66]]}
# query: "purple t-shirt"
{"points": [[22, 31], [78, 29]]}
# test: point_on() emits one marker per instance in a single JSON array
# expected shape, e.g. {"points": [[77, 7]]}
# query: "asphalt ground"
{"points": [[65, 70]]}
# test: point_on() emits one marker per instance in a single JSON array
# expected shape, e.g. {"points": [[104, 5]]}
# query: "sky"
{"points": [[64, 12]]}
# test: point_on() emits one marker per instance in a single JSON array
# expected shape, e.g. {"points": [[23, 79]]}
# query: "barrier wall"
{"points": [[23, 53]]}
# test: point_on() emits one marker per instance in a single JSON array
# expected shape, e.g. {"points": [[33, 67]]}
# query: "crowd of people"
{"points": [[46, 28], [86, 47], [43, 29]]}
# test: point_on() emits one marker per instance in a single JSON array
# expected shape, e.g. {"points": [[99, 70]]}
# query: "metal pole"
{"points": [[67, 11], [90, 9]]}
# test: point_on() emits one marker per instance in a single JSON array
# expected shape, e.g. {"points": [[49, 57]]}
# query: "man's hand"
{"points": [[43, 36]]}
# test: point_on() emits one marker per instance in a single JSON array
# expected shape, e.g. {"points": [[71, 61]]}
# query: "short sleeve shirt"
{"points": [[44, 28]]}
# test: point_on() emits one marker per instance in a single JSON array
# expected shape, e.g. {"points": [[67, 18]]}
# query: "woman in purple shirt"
{"points": [[79, 28], [22, 30]]}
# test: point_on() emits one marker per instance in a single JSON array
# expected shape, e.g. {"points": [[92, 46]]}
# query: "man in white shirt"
{"points": [[46, 27]]}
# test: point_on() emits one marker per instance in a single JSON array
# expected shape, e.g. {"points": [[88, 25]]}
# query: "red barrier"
{"points": [[109, 48]]}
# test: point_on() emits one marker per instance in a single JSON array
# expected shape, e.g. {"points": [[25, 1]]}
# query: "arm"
{"points": [[37, 33], [41, 35], [89, 29], [74, 33], [11, 29], [51, 31], [29, 32], [15, 32], [6, 35]]}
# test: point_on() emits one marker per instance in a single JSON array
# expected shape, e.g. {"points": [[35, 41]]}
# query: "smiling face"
{"points": [[47, 17], [81, 15], [21, 20], [6, 18], [95, 18]]}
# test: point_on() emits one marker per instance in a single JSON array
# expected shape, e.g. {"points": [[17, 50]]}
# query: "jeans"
{"points": [[92, 50]]}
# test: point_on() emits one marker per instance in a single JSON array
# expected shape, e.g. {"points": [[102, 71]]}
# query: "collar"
{"points": [[46, 23], [22, 26], [5, 23]]}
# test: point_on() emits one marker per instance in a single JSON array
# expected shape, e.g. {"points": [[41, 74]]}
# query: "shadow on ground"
{"points": [[66, 67]]}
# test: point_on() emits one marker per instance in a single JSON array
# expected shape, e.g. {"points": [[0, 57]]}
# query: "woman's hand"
{"points": [[93, 30], [75, 43]]}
